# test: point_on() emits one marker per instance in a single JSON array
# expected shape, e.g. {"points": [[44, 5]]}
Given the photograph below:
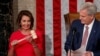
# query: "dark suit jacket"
{"points": [[93, 43]]}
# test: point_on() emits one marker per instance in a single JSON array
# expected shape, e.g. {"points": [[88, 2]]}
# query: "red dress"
{"points": [[25, 48]]}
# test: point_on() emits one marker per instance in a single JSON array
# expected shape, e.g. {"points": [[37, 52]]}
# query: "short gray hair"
{"points": [[91, 8]]}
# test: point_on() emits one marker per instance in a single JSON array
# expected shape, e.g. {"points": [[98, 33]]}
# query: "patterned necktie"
{"points": [[85, 36]]}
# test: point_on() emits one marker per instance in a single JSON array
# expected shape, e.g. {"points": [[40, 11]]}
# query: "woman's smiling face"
{"points": [[25, 23]]}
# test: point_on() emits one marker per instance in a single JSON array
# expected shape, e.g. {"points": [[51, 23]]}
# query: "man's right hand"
{"points": [[70, 53]]}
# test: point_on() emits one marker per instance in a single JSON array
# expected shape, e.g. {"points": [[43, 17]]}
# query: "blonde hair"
{"points": [[91, 8]]}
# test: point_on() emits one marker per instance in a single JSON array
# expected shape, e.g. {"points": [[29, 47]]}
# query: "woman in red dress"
{"points": [[25, 41]]}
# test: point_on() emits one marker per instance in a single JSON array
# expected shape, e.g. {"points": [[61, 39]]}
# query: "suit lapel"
{"points": [[81, 34], [91, 39]]}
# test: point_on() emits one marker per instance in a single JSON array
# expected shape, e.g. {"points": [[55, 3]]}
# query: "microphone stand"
{"points": [[74, 31]]}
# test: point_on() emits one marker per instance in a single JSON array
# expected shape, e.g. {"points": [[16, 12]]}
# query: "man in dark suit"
{"points": [[84, 35]]}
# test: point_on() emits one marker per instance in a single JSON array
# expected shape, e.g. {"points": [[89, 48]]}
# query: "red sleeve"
{"points": [[13, 36], [10, 40]]}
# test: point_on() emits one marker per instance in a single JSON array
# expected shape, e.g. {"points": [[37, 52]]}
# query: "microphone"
{"points": [[73, 35], [74, 30]]}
